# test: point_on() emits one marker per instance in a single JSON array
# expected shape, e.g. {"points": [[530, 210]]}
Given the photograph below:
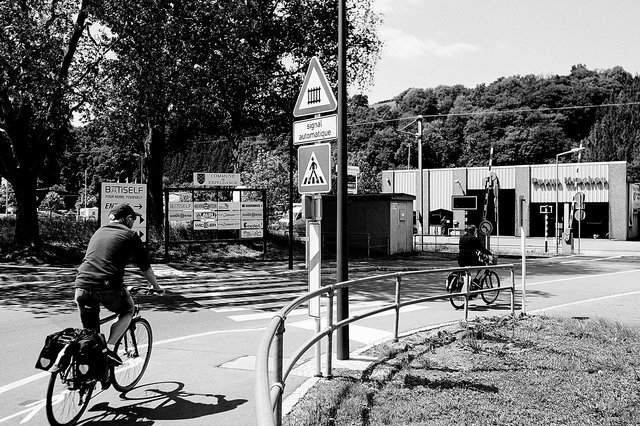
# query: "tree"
{"points": [[52, 202], [38, 42], [227, 69]]}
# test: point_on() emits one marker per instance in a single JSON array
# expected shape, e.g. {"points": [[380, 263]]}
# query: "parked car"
{"points": [[299, 225]]}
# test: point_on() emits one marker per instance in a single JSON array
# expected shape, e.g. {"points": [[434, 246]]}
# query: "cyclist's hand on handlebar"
{"points": [[156, 289]]}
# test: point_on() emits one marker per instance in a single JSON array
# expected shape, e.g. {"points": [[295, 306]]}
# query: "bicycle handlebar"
{"points": [[135, 290]]}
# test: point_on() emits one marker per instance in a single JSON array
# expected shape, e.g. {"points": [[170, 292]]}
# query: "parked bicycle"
{"points": [[484, 279], [69, 391]]}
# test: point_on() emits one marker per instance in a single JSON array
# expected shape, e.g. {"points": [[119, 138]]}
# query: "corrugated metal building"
{"points": [[607, 209]]}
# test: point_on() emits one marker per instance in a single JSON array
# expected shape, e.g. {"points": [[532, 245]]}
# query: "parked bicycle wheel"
{"points": [[134, 348], [454, 286], [490, 280], [67, 396]]}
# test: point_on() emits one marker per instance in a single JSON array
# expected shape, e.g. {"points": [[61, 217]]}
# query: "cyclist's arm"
{"points": [[151, 277], [480, 247]]}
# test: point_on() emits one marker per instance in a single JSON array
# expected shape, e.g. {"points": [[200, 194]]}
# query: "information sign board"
{"points": [[134, 194], [216, 179], [315, 129]]}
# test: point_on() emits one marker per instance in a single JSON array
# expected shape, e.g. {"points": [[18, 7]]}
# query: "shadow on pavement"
{"points": [[161, 401], [50, 298]]}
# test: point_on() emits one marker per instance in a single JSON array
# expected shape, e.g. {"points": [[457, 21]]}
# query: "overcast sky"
{"points": [[446, 42]]}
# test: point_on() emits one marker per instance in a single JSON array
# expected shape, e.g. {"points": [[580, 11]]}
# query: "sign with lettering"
{"points": [[216, 179], [315, 129], [134, 194]]}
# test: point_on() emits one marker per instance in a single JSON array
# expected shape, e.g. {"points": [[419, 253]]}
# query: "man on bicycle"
{"points": [[100, 277], [469, 246]]}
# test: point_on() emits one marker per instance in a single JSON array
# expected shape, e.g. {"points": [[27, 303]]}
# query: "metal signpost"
{"points": [[546, 210], [314, 170]]}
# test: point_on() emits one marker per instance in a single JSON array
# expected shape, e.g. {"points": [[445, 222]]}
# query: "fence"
{"points": [[362, 242], [269, 393]]}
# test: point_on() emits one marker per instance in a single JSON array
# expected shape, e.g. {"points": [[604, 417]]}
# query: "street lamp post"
{"points": [[571, 151]]}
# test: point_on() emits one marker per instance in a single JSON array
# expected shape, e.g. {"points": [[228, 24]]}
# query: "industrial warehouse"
{"points": [[590, 200]]}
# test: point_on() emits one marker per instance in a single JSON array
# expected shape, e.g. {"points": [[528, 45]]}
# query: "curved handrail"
{"points": [[268, 396]]}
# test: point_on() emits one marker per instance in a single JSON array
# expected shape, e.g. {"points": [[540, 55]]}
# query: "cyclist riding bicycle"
{"points": [[100, 278], [469, 246]]}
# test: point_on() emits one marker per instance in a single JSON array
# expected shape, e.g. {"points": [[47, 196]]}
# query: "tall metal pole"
{"points": [[342, 311], [419, 136], [291, 202], [557, 183]]}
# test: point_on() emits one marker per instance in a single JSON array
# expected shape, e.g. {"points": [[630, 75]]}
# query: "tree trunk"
{"points": [[27, 232], [153, 163]]}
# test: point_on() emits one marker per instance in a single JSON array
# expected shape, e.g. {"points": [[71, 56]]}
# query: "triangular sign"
{"points": [[313, 173], [315, 96]]}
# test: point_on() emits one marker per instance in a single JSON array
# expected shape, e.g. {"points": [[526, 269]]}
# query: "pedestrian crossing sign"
{"points": [[314, 168]]}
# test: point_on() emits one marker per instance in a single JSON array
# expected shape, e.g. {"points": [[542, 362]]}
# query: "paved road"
{"points": [[202, 366]]}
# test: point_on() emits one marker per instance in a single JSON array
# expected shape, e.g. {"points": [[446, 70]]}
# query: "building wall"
{"points": [[601, 182], [522, 184], [618, 201]]}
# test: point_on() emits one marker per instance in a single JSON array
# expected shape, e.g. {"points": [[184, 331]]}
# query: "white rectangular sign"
{"points": [[216, 179], [251, 233], [180, 215], [315, 130], [203, 225], [251, 224], [134, 194]]}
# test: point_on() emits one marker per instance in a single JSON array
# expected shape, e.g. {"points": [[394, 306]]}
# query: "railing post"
{"points": [[278, 371], [513, 292], [328, 373], [397, 321], [368, 245], [467, 281]]}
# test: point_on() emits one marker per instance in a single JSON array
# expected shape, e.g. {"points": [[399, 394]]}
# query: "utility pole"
{"points": [[342, 238]]}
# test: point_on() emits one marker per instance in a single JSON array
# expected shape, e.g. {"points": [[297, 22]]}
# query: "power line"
{"points": [[496, 112]]}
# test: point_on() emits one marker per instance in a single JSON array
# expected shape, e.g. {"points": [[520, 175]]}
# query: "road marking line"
{"points": [[594, 299], [38, 376], [24, 381], [591, 260], [206, 333], [305, 311], [582, 277]]}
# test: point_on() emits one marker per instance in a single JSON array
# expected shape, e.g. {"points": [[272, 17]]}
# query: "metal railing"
{"points": [[269, 391]]}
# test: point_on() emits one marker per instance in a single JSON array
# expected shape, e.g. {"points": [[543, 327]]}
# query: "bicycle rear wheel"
{"points": [[67, 396], [490, 280], [134, 348], [454, 287]]}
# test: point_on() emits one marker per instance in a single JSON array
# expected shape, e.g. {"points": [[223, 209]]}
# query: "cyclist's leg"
{"points": [[89, 308], [120, 302]]}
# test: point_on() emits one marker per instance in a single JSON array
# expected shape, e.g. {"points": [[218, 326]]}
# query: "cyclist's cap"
{"points": [[121, 211]]}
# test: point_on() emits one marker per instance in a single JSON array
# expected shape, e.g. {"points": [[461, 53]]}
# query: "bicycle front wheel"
{"points": [[134, 348], [453, 286], [490, 280], [67, 396]]}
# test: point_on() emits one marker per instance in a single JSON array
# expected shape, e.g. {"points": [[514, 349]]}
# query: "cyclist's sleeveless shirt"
{"points": [[109, 251]]}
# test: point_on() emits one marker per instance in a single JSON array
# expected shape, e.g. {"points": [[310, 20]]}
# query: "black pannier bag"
{"points": [[91, 357], [53, 344]]}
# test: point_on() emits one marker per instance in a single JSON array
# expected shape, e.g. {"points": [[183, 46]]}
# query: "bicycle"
{"points": [[68, 393], [488, 279]]}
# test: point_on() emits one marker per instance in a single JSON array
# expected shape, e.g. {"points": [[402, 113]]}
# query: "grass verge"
{"points": [[490, 371]]}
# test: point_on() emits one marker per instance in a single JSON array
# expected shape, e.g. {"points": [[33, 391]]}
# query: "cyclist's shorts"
{"points": [[88, 301]]}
